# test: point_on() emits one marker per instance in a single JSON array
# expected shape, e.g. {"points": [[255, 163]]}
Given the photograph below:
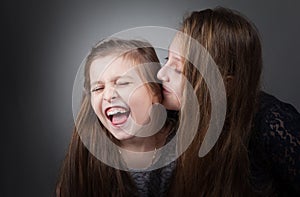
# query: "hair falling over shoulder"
{"points": [[234, 44], [84, 175]]}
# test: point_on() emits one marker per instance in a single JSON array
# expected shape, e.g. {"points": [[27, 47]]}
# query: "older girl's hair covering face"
{"points": [[234, 44], [82, 174]]}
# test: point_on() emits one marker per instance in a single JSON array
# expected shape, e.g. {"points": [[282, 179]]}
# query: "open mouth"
{"points": [[117, 115]]}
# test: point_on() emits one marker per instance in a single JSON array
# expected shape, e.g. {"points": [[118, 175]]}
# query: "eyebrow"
{"points": [[176, 56], [113, 79]]}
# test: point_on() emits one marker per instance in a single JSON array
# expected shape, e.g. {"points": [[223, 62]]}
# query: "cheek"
{"points": [[177, 84], [178, 88], [97, 106], [140, 102]]}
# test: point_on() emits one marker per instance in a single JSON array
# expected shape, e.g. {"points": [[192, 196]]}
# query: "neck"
{"points": [[141, 152], [144, 144], [139, 144]]}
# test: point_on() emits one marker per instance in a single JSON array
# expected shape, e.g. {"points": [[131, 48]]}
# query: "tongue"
{"points": [[119, 118]]}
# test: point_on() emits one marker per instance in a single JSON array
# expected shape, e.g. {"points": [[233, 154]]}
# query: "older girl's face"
{"points": [[171, 76], [118, 96]]}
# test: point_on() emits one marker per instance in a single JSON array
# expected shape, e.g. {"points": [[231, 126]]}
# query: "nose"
{"points": [[109, 94], [163, 74]]}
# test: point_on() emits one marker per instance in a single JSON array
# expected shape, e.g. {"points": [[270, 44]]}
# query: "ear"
{"points": [[156, 99]]}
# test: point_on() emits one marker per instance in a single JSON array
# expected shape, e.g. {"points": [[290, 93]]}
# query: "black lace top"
{"points": [[157, 182], [275, 148], [274, 153]]}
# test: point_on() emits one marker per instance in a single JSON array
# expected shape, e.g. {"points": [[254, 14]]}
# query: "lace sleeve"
{"points": [[280, 126]]}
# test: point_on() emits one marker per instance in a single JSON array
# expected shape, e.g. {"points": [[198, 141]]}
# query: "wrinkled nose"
{"points": [[109, 94]]}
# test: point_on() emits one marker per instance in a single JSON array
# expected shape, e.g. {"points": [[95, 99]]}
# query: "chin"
{"points": [[122, 135], [172, 105]]}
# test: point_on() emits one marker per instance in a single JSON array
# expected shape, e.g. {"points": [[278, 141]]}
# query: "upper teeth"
{"points": [[114, 111]]}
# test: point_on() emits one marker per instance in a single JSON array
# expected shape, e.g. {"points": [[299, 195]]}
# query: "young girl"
{"points": [[116, 140], [257, 153]]}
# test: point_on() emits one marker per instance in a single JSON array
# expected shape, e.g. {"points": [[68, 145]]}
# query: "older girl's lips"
{"points": [[166, 90]]}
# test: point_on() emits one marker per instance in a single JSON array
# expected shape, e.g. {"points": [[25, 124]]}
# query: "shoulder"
{"points": [[276, 139], [271, 108], [277, 120]]}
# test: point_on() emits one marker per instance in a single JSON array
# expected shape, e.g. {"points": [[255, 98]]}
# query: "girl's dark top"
{"points": [[274, 153], [274, 149]]}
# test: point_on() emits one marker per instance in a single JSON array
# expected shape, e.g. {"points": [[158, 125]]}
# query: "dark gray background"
{"points": [[47, 41]]}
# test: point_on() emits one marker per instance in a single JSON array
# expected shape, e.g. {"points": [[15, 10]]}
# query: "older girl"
{"points": [[258, 151]]}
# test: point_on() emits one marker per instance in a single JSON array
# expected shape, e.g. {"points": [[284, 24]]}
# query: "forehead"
{"points": [[175, 46], [105, 68]]}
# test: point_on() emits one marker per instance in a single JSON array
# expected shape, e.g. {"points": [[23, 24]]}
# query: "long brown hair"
{"points": [[82, 174], [234, 44]]}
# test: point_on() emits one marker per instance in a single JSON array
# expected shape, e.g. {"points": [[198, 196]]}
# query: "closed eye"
{"points": [[97, 89], [123, 83], [178, 71], [174, 64]]}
